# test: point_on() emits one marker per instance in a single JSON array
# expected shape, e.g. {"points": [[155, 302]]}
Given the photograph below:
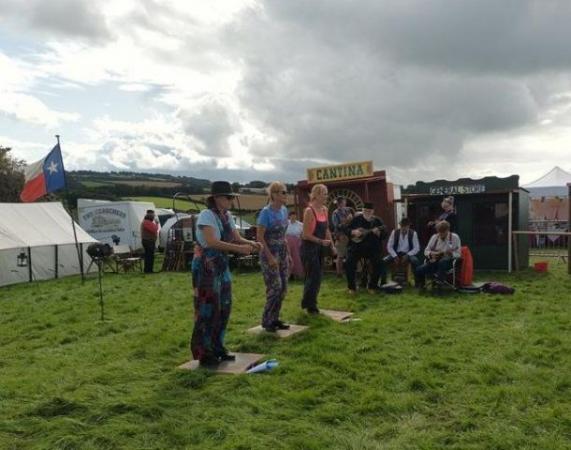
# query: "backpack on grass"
{"points": [[494, 287]]}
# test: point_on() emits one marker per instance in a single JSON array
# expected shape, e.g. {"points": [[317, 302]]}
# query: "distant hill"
{"points": [[116, 185], [123, 185]]}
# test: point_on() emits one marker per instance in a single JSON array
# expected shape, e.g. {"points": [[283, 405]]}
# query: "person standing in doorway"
{"points": [[448, 214], [274, 259], [316, 236], [149, 233]]}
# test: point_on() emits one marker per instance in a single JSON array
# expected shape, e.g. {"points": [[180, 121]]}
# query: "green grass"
{"points": [[185, 205], [93, 184], [164, 202], [417, 372]]}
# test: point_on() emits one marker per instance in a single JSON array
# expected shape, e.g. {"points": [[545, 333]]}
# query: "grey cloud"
{"points": [[72, 18], [397, 82], [404, 82], [211, 124], [511, 36]]}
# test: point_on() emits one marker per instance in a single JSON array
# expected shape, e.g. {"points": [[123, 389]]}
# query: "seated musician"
{"points": [[403, 246], [365, 232], [442, 249]]}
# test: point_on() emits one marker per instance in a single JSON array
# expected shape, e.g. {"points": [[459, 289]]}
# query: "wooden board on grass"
{"points": [[244, 361], [293, 329], [338, 316]]}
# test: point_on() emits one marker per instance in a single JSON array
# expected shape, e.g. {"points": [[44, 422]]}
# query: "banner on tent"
{"points": [[107, 224]]}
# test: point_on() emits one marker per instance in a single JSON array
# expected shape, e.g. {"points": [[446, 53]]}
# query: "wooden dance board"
{"points": [[293, 329], [244, 361], [338, 316]]}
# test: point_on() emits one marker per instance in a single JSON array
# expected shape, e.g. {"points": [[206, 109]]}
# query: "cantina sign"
{"points": [[458, 189], [340, 172]]}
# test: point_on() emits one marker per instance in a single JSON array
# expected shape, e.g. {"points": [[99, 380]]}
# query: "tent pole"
{"points": [[56, 261], [30, 264], [510, 229], [79, 256]]}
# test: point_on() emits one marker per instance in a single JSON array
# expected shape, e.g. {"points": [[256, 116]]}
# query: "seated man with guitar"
{"points": [[442, 249], [366, 233]]}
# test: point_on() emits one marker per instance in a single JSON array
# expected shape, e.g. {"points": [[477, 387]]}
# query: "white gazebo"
{"points": [[552, 184]]}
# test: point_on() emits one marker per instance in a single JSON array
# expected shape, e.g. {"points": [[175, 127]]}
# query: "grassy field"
{"points": [[164, 202], [417, 372], [248, 202], [185, 205], [110, 182]]}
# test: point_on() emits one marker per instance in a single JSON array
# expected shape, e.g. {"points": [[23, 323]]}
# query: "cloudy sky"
{"points": [[254, 89]]}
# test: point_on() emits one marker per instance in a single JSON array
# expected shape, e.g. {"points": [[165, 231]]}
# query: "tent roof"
{"points": [[37, 224], [555, 177]]}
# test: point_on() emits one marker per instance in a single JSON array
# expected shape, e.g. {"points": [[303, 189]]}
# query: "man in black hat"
{"points": [[366, 233], [403, 245]]}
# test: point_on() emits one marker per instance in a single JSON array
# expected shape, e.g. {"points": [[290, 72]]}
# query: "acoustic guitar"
{"points": [[365, 233]]}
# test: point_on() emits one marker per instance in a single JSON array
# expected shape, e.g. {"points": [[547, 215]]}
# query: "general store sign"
{"points": [[340, 172], [457, 189]]}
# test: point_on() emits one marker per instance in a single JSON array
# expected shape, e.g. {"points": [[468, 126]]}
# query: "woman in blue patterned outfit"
{"points": [[216, 235], [274, 259]]}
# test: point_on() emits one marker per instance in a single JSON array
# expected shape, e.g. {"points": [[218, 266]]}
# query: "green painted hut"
{"points": [[487, 211]]}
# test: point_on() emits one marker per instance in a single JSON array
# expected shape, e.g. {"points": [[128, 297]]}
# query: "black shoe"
{"points": [[224, 355], [227, 357], [271, 328], [209, 362], [313, 311], [280, 325]]}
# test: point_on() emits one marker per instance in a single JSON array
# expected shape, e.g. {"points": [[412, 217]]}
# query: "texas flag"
{"points": [[44, 176]]}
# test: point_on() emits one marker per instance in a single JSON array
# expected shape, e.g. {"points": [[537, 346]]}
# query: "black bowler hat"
{"points": [[220, 189], [368, 205]]}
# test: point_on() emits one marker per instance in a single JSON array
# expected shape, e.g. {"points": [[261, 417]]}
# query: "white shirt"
{"points": [[436, 244], [294, 229], [403, 244]]}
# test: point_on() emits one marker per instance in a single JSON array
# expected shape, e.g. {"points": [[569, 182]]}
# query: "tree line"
{"points": [[12, 182]]}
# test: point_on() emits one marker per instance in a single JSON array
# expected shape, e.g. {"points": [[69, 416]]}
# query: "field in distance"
{"points": [[248, 202]]}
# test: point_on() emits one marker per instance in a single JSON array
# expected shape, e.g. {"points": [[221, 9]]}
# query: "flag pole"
{"points": [[79, 255]]}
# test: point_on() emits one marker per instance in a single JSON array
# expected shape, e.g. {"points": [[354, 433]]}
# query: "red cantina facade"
{"points": [[357, 182]]}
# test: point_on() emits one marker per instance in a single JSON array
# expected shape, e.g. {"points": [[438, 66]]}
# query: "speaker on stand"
{"points": [[98, 252]]}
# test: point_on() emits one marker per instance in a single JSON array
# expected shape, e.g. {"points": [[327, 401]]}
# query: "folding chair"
{"points": [[451, 279], [124, 259]]}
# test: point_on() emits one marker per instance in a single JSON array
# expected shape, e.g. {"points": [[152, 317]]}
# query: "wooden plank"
{"points": [[293, 329], [244, 361], [338, 316]]}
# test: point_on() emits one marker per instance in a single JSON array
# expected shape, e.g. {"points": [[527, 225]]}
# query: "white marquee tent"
{"points": [[37, 242], [552, 184]]}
